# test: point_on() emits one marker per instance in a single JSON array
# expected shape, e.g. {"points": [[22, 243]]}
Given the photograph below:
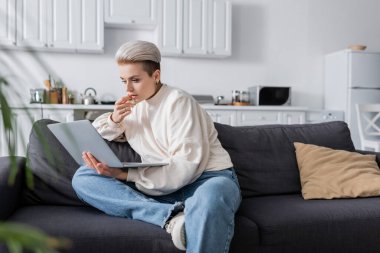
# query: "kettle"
{"points": [[88, 98]]}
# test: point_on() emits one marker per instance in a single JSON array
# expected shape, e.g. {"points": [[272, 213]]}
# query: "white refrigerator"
{"points": [[351, 77]]}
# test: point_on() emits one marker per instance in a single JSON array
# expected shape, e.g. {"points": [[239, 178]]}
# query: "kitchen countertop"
{"points": [[65, 106], [251, 108], [205, 106]]}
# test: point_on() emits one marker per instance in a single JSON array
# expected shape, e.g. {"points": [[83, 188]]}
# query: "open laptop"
{"points": [[79, 136]]}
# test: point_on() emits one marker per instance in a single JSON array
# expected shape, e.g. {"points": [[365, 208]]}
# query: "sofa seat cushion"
{"points": [[92, 231], [246, 235], [322, 224]]}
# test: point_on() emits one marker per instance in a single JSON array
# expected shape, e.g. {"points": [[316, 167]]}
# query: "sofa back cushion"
{"points": [[53, 167], [264, 156]]}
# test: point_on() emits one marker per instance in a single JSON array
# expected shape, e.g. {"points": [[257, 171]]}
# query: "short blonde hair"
{"points": [[140, 51]]}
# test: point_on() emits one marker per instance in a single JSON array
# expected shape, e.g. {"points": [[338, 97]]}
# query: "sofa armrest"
{"points": [[10, 193]]}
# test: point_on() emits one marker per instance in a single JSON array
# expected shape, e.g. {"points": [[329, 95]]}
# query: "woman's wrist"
{"points": [[113, 119], [125, 175]]}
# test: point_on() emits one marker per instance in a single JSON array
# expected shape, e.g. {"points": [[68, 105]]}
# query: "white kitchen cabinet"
{"points": [[3, 138], [223, 116], [68, 25], [170, 28], [62, 24], [195, 28], [318, 116], [220, 28], [250, 118], [32, 23], [23, 120], [293, 117], [207, 27], [131, 13], [90, 25], [59, 115], [7, 22], [267, 117], [256, 116]]}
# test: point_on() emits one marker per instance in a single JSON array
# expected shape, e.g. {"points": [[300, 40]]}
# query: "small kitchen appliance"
{"points": [[88, 97], [270, 95], [37, 96]]}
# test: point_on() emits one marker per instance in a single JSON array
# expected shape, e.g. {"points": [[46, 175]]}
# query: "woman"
{"points": [[196, 195]]}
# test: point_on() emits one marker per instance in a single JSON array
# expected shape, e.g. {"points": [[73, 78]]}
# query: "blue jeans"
{"points": [[209, 204]]}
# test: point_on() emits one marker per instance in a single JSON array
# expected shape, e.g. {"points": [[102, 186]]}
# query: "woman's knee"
{"points": [[221, 194], [227, 196], [223, 186], [81, 177]]}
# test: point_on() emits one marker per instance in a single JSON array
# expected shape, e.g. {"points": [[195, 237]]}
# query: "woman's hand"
{"points": [[123, 108], [102, 168]]}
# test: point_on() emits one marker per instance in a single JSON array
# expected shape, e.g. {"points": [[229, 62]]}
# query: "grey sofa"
{"points": [[273, 216]]}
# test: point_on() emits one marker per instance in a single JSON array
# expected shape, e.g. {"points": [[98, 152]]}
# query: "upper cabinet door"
{"points": [[75, 25], [62, 24], [220, 27], [31, 23], [90, 25], [131, 13], [195, 27], [170, 27], [7, 22]]}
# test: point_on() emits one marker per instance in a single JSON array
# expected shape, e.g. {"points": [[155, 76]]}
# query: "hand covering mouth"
{"points": [[132, 98]]}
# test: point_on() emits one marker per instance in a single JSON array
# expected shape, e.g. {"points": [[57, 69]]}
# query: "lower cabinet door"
{"points": [[23, 120], [293, 118], [223, 116], [3, 138], [251, 118], [58, 115]]}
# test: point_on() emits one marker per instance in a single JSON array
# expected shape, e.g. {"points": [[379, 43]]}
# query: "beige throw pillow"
{"points": [[327, 173]]}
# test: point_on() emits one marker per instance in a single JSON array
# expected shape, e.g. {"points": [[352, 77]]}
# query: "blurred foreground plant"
{"points": [[7, 123], [17, 236]]}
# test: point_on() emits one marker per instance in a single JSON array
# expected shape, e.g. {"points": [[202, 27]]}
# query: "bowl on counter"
{"points": [[357, 47]]}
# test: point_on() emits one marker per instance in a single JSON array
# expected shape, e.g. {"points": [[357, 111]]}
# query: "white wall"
{"points": [[275, 42]]}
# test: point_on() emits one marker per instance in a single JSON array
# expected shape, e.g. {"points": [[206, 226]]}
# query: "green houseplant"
{"points": [[18, 236]]}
